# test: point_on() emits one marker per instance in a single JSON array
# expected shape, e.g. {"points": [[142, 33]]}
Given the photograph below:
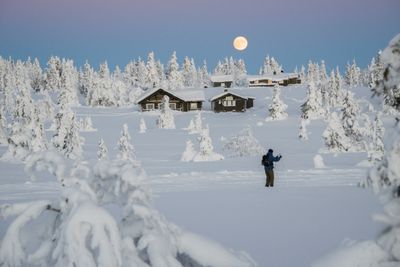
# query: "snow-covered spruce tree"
{"points": [[303, 134], [243, 144], [352, 75], [35, 75], [350, 114], [389, 86], [166, 118], [68, 84], [142, 126], [203, 76], [86, 79], [189, 153], [102, 152], [311, 109], [18, 142], [3, 126], [277, 109], [206, 152], [334, 135], [375, 72], [52, 75], [174, 75], [86, 125], [189, 73], [38, 141], [376, 147], [126, 150], [152, 78], [66, 138], [46, 107]]}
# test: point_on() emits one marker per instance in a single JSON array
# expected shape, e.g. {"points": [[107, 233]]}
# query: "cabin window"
{"points": [[193, 105], [150, 106], [172, 105]]}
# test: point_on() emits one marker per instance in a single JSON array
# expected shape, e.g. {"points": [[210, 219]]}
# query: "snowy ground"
{"points": [[306, 215]]}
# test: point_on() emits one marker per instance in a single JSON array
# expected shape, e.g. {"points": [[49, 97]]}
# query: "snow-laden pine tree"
{"points": [[52, 75], [18, 142], [166, 119], [66, 138], [86, 79], [189, 153], [35, 75], [86, 124], [142, 126], [374, 72], [349, 116], [206, 150], [189, 73], [352, 75], [3, 126], [68, 84], [126, 150], [376, 147], [173, 73], [203, 76], [277, 109], [243, 144], [152, 78], [389, 86], [311, 109], [102, 152], [38, 141], [303, 134], [334, 135]]}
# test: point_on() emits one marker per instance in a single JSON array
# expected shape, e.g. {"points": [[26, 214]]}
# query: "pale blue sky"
{"points": [[293, 31]]}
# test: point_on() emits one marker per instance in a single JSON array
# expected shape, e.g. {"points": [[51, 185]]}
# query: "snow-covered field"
{"points": [[312, 209]]}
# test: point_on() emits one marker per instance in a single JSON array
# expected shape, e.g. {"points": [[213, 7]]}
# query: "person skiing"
{"points": [[268, 162]]}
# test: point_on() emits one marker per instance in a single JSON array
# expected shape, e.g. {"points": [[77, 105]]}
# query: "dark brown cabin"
{"points": [[183, 100], [229, 101]]}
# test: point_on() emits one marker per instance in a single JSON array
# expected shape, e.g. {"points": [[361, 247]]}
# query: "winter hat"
{"points": [[270, 150]]}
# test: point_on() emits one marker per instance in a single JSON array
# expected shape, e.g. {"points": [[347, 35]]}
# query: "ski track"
{"points": [[200, 181]]}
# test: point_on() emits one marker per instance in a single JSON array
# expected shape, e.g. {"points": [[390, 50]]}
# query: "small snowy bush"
{"points": [[189, 153], [243, 144], [206, 152]]}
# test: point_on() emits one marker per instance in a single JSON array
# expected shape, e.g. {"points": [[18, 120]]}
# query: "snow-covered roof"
{"points": [[186, 95], [229, 93], [250, 78], [272, 77]]}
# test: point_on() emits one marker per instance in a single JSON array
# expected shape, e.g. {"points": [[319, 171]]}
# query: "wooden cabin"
{"points": [[221, 81], [182, 100], [229, 101], [283, 79]]}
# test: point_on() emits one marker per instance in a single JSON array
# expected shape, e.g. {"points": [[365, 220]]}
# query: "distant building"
{"points": [[230, 101], [283, 79], [182, 100]]}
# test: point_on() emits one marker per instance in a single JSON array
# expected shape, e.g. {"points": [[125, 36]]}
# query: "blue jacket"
{"points": [[270, 161]]}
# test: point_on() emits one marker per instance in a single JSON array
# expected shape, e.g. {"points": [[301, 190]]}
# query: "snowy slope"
{"points": [[308, 213]]}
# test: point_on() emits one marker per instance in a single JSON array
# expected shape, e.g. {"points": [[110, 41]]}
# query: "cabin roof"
{"points": [[250, 78], [185, 95], [229, 93]]}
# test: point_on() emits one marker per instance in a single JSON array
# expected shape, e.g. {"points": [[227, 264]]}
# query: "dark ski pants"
{"points": [[270, 178]]}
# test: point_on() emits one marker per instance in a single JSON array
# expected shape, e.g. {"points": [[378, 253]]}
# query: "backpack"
{"points": [[264, 161]]}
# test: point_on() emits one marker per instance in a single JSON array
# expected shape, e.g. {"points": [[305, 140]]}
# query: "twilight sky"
{"points": [[293, 31]]}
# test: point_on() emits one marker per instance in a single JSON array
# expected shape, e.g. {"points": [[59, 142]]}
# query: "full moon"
{"points": [[240, 43]]}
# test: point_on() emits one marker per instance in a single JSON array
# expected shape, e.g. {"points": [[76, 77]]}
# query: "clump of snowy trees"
{"points": [[78, 229], [206, 149], [243, 144]]}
